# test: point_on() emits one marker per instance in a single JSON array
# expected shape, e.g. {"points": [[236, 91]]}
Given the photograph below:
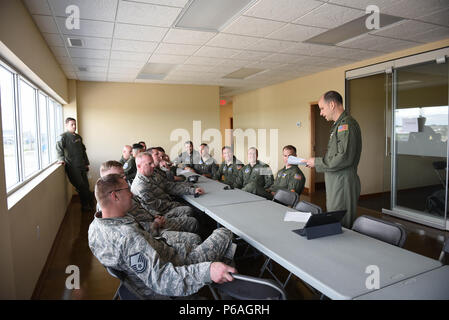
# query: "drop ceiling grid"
{"points": [[267, 35]]}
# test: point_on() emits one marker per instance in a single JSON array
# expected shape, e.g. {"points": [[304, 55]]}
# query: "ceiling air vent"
{"points": [[83, 69], [73, 42]]}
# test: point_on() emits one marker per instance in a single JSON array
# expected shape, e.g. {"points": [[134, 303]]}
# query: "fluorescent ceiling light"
{"points": [[243, 73], [155, 71], [210, 15], [350, 30]]}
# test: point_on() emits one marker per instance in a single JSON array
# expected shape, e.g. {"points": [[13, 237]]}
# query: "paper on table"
{"points": [[295, 160], [297, 216]]}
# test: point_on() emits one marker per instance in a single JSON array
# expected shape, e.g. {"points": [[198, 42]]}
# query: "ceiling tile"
{"points": [[226, 69], [294, 32], [90, 62], [216, 52], [435, 34], [147, 14], [92, 69], [251, 26], [166, 58], [203, 61], [281, 57], [371, 42], [362, 4], [271, 45], [53, 39], [59, 51], [192, 67], [130, 56], [404, 29], [329, 16], [38, 7], [143, 33], [188, 36], [89, 53], [414, 8], [172, 3], [64, 60], [89, 9], [282, 10], [133, 45], [306, 49], [180, 49], [439, 17], [265, 64], [232, 41], [124, 70], [91, 43], [88, 28], [126, 64], [46, 24], [251, 55], [233, 62]]}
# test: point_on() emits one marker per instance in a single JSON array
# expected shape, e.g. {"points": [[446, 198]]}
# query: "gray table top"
{"points": [[216, 195], [430, 285], [334, 265]]}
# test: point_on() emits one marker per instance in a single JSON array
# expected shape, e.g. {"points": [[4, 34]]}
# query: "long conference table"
{"points": [[338, 266]]}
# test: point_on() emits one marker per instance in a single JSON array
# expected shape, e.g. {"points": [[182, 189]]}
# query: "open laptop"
{"points": [[319, 219]]}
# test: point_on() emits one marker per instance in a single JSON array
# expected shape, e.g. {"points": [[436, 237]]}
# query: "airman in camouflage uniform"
{"points": [[188, 158], [153, 220], [256, 176], [342, 157], [154, 266], [155, 192], [290, 177], [72, 154], [229, 168]]}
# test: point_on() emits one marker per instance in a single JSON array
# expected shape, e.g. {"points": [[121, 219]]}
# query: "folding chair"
{"points": [[444, 250], [248, 288], [124, 291], [390, 232], [285, 197], [305, 206]]}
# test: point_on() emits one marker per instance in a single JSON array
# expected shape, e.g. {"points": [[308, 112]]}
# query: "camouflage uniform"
{"points": [[289, 179], [255, 179], [152, 192], [229, 173], [188, 159], [176, 266], [207, 167], [71, 150], [339, 165]]}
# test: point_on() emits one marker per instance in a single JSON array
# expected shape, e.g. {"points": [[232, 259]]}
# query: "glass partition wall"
{"points": [[403, 114]]}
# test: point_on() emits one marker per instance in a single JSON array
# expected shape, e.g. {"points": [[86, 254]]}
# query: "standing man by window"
{"points": [[72, 154], [342, 157]]}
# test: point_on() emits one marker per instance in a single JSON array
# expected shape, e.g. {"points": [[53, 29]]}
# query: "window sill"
{"points": [[20, 193]]}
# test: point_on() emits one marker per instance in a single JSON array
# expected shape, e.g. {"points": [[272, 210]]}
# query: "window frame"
{"points": [[18, 128]]}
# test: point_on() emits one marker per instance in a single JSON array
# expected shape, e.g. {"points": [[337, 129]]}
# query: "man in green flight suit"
{"points": [[129, 164], [72, 154], [290, 177], [340, 162], [256, 176], [229, 168]]}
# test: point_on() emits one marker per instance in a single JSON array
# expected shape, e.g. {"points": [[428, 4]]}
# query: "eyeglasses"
{"points": [[117, 190]]}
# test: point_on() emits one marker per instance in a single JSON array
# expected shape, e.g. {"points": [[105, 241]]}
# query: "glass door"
{"points": [[419, 146]]}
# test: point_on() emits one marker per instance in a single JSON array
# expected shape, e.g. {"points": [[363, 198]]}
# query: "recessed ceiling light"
{"points": [[155, 71], [210, 15], [350, 30], [242, 73], [74, 42]]}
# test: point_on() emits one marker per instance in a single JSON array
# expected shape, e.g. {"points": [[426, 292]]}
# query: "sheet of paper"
{"points": [[296, 160], [297, 216], [410, 124]]}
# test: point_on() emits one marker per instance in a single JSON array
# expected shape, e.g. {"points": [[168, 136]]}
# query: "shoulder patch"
{"points": [[343, 127], [138, 262], [246, 170], [298, 176], [125, 166]]}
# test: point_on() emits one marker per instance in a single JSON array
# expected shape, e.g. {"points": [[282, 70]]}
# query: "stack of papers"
{"points": [[296, 161], [297, 216]]}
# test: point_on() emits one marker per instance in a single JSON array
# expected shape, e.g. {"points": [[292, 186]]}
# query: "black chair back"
{"points": [[305, 206], [285, 197], [386, 231]]}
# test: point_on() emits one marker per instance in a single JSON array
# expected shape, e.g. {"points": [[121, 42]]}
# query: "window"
{"points": [[31, 123]]}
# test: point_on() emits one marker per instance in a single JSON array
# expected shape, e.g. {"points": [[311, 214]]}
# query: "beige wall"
{"points": [[280, 106], [23, 255], [111, 115], [31, 54]]}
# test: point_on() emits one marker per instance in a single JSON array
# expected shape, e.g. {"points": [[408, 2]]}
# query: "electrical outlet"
{"points": [[298, 124]]}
